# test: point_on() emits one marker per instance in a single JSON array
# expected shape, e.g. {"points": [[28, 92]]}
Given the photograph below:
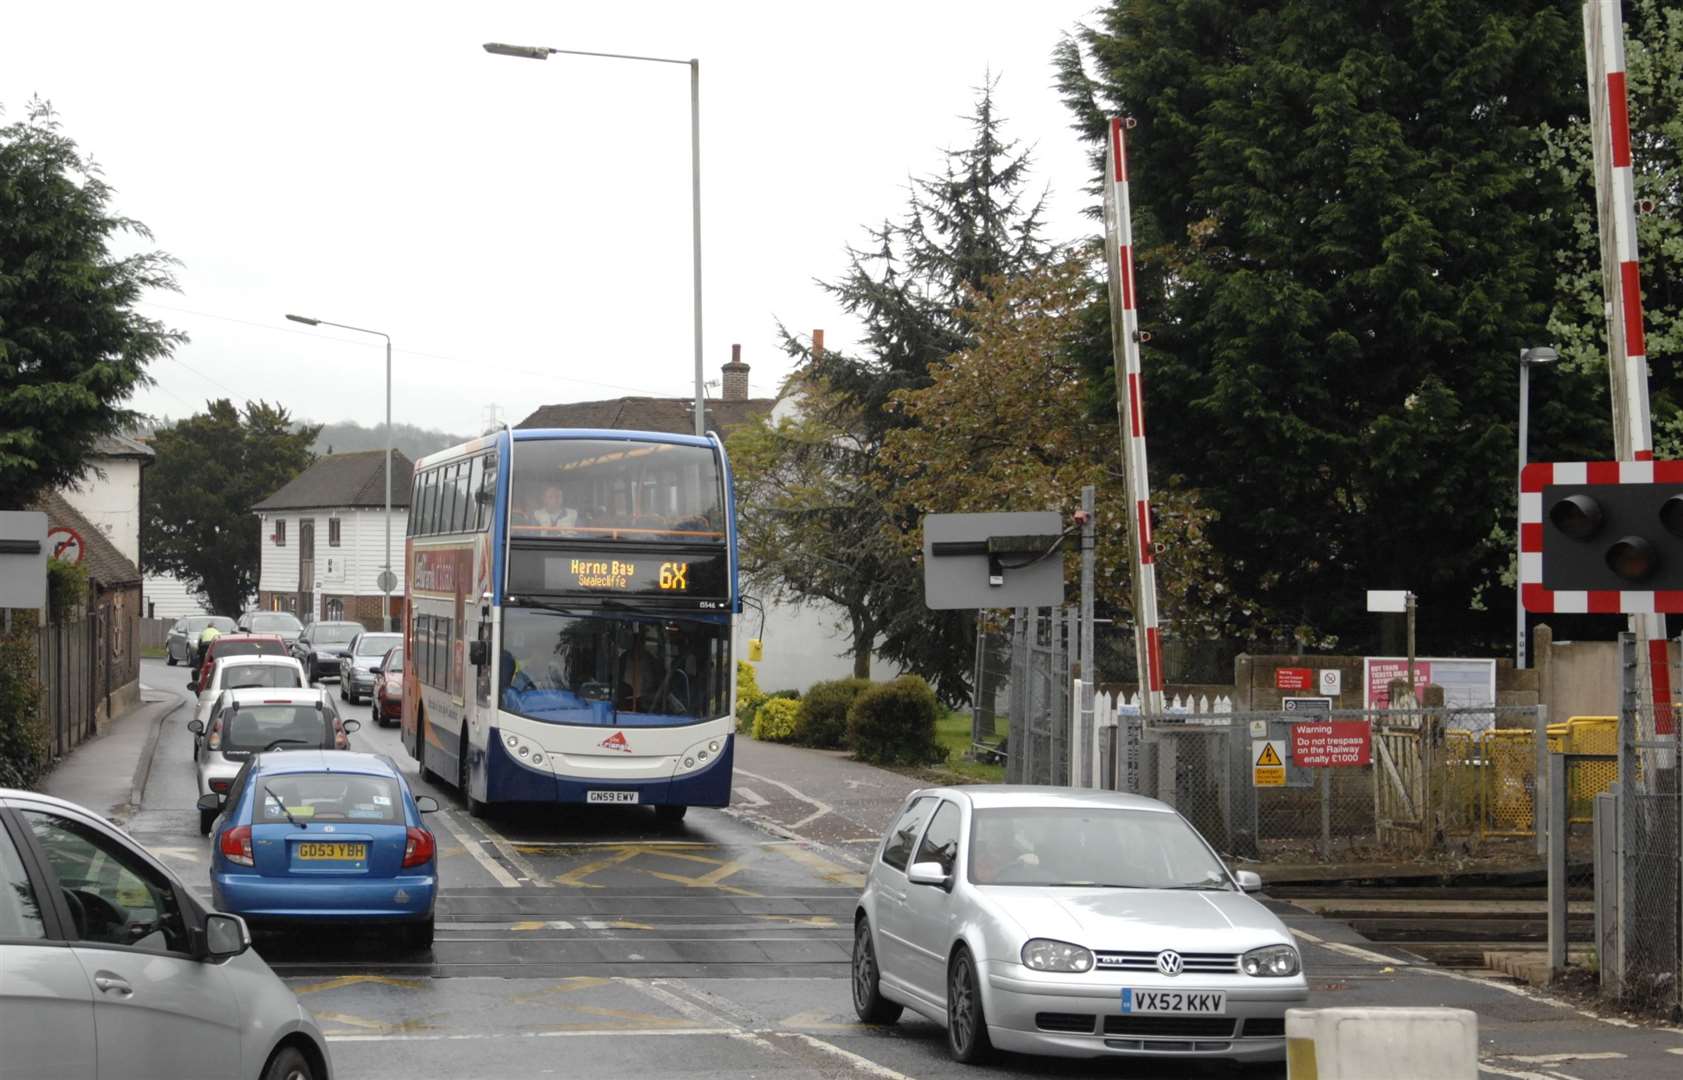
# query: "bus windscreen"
{"points": [[610, 490]]}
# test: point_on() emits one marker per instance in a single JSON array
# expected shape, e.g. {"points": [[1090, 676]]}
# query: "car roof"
{"points": [[258, 660], [225, 639], [1025, 796], [51, 800], [292, 695], [316, 761]]}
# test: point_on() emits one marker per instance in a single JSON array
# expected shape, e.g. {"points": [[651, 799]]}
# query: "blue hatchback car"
{"points": [[325, 836]]}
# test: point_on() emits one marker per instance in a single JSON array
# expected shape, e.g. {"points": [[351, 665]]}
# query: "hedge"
{"points": [[24, 744], [823, 717], [894, 724], [774, 720], [748, 695]]}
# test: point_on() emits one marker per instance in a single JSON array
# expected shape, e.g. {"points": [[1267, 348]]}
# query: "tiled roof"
{"points": [[121, 446], [345, 480], [675, 416], [107, 567]]}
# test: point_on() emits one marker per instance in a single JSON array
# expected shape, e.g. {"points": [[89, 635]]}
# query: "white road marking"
{"points": [[1562, 1059], [860, 1064], [529, 872], [820, 809], [750, 796], [476, 1036], [498, 874], [1351, 950], [1518, 1074], [683, 1006]]}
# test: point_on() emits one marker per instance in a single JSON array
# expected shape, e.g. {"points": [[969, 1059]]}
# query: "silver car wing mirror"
{"points": [[928, 873], [1249, 881]]}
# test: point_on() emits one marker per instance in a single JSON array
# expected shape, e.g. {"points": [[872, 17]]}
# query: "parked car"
{"points": [[234, 645], [184, 636], [283, 624], [388, 687], [321, 645], [1069, 923], [323, 836], [246, 722], [244, 672], [356, 674], [109, 967]]}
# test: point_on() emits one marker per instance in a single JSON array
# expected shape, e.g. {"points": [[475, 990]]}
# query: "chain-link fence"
{"points": [[1647, 908], [1304, 786]]}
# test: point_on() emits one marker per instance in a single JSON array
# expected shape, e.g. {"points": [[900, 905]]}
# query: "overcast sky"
{"points": [[520, 228]]}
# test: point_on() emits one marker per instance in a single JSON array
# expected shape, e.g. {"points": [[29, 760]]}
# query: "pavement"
{"points": [[599, 943]]}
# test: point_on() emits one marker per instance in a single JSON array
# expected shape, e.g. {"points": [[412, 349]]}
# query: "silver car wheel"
{"points": [[864, 968], [961, 1006]]}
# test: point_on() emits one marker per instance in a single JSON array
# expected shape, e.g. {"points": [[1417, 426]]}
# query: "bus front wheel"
{"points": [[670, 815], [463, 778]]}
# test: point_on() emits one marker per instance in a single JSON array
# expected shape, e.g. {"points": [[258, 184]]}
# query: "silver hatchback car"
{"points": [[110, 968], [1070, 923], [250, 721]]}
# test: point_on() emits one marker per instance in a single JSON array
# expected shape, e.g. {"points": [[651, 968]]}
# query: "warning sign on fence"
{"points": [[1268, 767], [1329, 743]]}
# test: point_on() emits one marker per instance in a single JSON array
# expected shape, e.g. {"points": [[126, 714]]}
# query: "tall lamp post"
{"points": [[1540, 354], [388, 580], [540, 52]]}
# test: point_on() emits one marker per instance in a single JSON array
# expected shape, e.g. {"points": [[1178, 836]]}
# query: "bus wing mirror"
{"points": [[479, 652]]}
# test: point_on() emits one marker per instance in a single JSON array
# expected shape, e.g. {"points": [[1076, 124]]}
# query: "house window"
{"points": [[335, 608], [332, 532], [280, 532]]}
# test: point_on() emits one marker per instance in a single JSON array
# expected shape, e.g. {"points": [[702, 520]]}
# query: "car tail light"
{"points": [[420, 848], [236, 846], [221, 786]]}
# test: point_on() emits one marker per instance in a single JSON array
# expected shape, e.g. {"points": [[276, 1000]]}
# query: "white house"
{"points": [[324, 539], [109, 497]]}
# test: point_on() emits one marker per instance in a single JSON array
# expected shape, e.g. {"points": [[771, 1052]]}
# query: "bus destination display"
{"points": [[664, 576]]}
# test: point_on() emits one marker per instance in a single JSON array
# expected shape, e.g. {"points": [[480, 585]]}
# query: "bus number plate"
{"points": [[610, 796]]}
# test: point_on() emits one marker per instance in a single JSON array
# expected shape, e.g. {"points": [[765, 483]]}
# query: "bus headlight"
{"points": [[526, 750]]}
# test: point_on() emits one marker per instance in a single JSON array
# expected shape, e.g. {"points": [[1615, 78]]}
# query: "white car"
{"points": [[239, 672], [1069, 923], [109, 968], [247, 722]]}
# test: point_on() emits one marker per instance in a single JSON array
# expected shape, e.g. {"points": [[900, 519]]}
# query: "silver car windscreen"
{"points": [[1092, 847]]}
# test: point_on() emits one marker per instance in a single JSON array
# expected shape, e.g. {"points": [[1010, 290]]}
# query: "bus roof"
{"points": [[493, 438]]}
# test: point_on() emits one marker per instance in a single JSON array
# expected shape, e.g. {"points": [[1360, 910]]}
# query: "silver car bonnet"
{"points": [[1137, 918]]}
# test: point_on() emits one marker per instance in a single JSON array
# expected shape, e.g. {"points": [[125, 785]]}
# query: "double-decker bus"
{"points": [[572, 597]]}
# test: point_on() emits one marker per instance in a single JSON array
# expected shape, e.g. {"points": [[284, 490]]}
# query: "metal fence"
{"points": [[1356, 782], [1649, 967]]}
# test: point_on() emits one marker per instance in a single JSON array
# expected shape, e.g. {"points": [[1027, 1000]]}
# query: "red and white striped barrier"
{"points": [[1119, 233]]}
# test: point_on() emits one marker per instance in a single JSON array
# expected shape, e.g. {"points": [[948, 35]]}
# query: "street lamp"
{"points": [[1540, 354], [540, 52], [387, 580]]}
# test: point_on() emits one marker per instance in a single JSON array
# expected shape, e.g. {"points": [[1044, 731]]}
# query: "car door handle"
{"points": [[112, 984]]}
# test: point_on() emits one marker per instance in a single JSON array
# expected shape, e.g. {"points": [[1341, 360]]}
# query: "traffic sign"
{"points": [[65, 544], [1292, 678], [1268, 767], [1601, 537], [386, 582], [1323, 744], [1332, 681]]}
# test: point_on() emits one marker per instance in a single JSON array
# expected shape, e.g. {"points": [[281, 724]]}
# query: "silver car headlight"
{"points": [[1044, 954], [1271, 962]]}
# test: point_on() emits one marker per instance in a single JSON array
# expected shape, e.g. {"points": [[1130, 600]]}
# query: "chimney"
{"points": [[736, 377]]}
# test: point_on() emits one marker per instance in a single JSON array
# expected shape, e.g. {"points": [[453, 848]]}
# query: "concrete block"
{"points": [[1381, 1044]]}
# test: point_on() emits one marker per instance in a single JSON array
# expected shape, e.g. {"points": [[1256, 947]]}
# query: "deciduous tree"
{"points": [[211, 468]]}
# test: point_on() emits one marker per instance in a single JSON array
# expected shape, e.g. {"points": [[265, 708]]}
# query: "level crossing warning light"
{"points": [[1601, 537]]}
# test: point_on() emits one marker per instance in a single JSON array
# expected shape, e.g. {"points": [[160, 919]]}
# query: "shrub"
{"points": [[774, 721], [823, 718], [748, 696], [23, 737], [67, 588], [894, 724]]}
